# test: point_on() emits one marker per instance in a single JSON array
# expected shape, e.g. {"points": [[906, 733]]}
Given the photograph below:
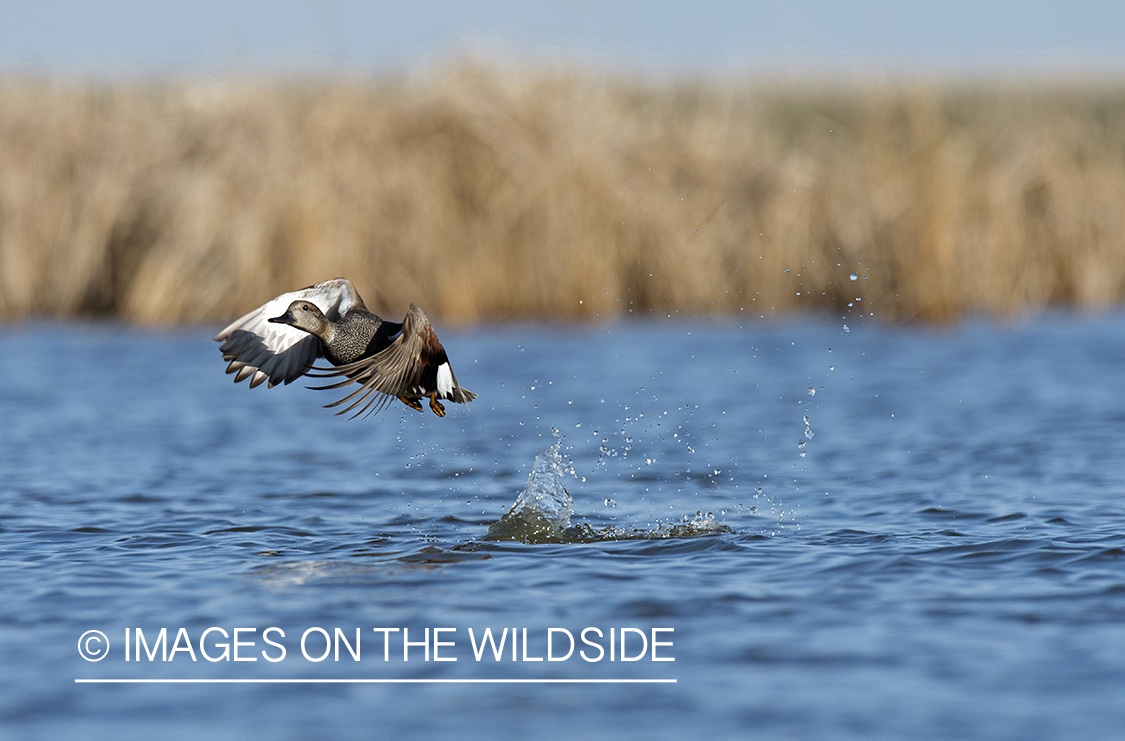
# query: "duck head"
{"points": [[304, 315]]}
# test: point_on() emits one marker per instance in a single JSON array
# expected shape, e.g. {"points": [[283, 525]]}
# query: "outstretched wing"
{"points": [[280, 353], [413, 366]]}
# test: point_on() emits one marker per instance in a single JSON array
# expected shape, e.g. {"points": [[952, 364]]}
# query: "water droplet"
{"points": [[812, 391], [853, 276]]}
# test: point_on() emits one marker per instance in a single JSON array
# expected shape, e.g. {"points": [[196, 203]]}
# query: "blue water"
{"points": [[929, 545]]}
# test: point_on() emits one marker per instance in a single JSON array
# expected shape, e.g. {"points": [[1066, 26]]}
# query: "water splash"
{"points": [[808, 436], [541, 513], [701, 524]]}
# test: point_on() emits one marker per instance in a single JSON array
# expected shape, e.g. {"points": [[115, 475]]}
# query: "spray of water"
{"points": [[543, 510]]}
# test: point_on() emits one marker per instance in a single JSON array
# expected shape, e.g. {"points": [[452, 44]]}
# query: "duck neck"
{"points": [[323, 329], [326, 331]]}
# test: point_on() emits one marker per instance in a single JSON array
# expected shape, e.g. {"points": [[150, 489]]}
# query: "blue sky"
{"points": [[145, 37]]}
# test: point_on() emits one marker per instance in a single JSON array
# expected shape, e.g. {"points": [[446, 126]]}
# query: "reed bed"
{"points": [[481, 191]]}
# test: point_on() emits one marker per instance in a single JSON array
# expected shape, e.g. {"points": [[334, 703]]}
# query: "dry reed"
{"points": [[481, 192]]}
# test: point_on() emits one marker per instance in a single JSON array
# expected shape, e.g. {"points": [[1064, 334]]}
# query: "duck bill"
{"points": [[286, 318]]}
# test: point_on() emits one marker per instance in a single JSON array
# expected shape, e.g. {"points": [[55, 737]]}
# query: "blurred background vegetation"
{"points": [[483, 191]]}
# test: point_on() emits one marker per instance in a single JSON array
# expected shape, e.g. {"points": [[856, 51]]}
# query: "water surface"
{"points": [[885, 533]]}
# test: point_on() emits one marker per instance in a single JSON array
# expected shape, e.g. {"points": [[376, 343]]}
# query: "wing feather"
{"points": [[279, 353], [407, 368]]}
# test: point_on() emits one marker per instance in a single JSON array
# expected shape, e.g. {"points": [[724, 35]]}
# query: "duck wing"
{"points": [[260, 350], [413, 366]]}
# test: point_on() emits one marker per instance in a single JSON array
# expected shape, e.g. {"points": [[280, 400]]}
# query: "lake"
{"points": [[719, 529]]}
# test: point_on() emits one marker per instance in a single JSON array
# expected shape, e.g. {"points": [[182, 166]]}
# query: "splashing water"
{"points": [[808, 436], [688, 527], [541, 513]]}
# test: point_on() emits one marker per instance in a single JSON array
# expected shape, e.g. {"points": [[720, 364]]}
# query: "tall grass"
{"points": [[480, 191]]}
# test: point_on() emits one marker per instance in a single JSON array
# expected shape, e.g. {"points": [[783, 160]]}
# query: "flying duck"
{"points": [[280, 340]]}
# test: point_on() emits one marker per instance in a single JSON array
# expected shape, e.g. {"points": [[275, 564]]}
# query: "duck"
{"points": [[282, 339]]}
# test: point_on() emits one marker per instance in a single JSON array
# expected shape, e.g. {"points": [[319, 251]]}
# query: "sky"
{"points": [[146, 37]]}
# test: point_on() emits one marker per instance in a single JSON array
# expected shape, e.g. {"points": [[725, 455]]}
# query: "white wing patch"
{"points": [[277, 352], [444, 380]]}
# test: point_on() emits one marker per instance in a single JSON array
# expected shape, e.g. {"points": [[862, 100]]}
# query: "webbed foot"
{"points": [[436, 405]]}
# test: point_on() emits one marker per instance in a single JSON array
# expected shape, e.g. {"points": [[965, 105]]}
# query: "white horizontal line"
{"points": [[375, 681]]}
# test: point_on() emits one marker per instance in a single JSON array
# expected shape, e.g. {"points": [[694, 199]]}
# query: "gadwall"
{"points": [[280, 340]]}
